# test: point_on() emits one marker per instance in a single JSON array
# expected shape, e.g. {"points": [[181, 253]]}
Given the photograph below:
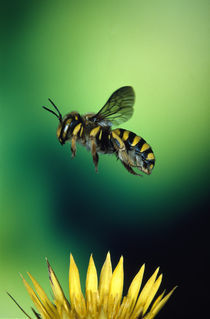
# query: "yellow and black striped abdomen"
{"points": [[140, 153]]}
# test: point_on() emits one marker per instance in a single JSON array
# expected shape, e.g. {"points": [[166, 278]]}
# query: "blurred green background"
{"points": [[78, 53]]}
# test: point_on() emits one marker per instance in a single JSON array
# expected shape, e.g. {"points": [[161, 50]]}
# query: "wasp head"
{"points": [[66, 124], [66, 127]]}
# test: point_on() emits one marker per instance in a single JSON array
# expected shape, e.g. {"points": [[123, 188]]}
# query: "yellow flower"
{"points": [[101, 301]]}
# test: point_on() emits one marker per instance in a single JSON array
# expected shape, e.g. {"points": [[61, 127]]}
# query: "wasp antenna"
{"points": [[60, 116], [44, 107], [19, 306]]}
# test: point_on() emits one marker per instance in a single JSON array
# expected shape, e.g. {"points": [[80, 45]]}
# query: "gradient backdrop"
{"points": [[78, 53]]}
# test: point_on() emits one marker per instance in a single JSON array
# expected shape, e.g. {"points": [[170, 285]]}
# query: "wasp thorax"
{"points": [[67, 126]]}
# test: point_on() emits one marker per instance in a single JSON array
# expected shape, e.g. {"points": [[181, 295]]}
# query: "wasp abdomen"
{"points": [[140, 154]]}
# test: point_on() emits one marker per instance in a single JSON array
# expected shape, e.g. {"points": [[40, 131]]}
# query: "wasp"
{"points": [[95, 132]]}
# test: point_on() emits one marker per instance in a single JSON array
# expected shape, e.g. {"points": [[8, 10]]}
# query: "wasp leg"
{"points": [[130, 170], [120, 148], [122, 153], [73, 145], [140, 166], [94, 154]]}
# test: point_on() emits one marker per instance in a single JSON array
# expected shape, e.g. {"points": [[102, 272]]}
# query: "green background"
{"points": [[78, 53]]}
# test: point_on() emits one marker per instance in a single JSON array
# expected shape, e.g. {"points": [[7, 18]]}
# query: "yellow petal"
{"points": [[105, 280], [144, 294], [56, 288], [157, 300], [92, 287], [36, 300], [43, 297], [124, 311], [136, 285], [161, 303], [92, 279], [129, 301], [117, 280], [102, 314], [75, 292], [152, 293], [116, 288]]}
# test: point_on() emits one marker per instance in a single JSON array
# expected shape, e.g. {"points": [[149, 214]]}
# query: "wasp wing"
{"points": [[118, 108]]}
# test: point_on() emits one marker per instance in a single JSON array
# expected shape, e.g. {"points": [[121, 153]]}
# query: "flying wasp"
{"points": [[95, 132]]}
